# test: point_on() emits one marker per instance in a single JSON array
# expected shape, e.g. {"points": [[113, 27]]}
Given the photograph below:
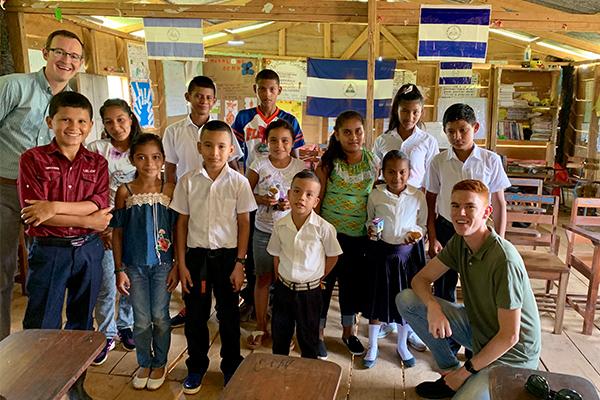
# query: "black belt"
{"points": [[76, 241], [300, 286]]}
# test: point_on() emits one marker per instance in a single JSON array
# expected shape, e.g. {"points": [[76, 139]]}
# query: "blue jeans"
{"points": [[152, 324], [10, 222], [105, 306]]}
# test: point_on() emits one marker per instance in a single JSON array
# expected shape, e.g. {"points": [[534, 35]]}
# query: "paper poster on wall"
{"points": [[402, 77], [293, 107], [141, 94], [231, 110], [479, 105], [175, 88], [215, 112], [292, 77], [233, 76], [138, 62], [250, 102]]}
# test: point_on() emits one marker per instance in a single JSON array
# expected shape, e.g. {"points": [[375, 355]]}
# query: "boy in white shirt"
{"points": [[305, 248], [465, 160], [213, 203]]}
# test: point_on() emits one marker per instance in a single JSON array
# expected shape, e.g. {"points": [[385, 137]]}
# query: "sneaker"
{"points": [[384, 330], [322, 352], [368, 364], [435, 390], [179, 319], [192, 383], [354, 345], [126, 337], [416, 343], [101, 358]]}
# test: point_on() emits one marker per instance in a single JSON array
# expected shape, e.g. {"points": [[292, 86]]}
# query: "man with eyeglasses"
{"points": [[23, 109]]}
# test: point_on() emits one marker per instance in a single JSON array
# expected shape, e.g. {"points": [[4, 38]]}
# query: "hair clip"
{"points": [[407, 89]]}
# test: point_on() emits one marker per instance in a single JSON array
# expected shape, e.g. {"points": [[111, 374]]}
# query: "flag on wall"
{"points": [[453, 33], [174, 38], [334, 86], [456, 73]]}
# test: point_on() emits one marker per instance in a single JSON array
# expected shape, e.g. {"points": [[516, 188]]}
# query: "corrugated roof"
{"points": [[576, 7]]}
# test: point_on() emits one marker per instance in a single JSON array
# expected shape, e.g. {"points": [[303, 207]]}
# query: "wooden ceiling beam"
{"points": [[404, 52], [226, 25], [568, 40], [355, 45]]}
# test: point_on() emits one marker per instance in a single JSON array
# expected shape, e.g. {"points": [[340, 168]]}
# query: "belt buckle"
{"points": [[78, 242]]}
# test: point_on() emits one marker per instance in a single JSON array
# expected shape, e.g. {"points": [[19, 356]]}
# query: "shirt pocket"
{"points": [[89, 178]]}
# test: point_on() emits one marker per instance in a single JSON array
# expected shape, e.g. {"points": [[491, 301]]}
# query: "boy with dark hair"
{"points": [[64, 191], [499, 320], [213, 227], [250, 124], [23, 107], [305, 249]]}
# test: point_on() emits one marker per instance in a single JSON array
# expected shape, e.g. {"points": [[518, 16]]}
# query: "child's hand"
{"points": [[123, 283], [106, 237], [237, 277], [434, 248], [283, 205], [185, 278], [98, 220], [266, 200], [38, 212], [173, 278], [412, 237]]}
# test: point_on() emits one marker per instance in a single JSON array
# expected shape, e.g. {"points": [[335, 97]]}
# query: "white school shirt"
{"points": [[446, 170], [120, 168], [270, 177], [213, 206], [401, 214], [420, 147], [181, 146], [302, 252]]}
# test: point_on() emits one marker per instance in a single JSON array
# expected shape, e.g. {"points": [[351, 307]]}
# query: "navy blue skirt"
{"points": [[391, 268]]}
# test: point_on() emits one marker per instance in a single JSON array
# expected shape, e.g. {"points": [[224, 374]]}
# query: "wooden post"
{"points": [[326, 54], [373, 41], [282, 42], [18, 41]]}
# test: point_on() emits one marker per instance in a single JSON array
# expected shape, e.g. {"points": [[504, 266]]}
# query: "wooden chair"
{"points": [[542, 213], [586, 262], [536, 183]]}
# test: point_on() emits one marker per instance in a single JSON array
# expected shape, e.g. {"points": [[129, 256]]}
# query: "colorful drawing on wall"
{"points": [[292, 77], [247, 68], [142, 97], [226, 72], [215, 112], [231, 110], [250, 102], [293, 107], [138, 62]]}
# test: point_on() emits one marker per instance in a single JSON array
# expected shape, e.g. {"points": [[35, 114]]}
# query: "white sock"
{"points": [[402, 348], [373, 334], [393, 325]]}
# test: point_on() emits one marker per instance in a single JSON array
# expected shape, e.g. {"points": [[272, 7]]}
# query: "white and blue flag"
{"points": [[453, 33], [456, 73], [174, 38], [334, 86]]}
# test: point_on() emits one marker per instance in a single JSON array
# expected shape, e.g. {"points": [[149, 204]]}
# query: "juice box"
{"points": [[376, 228]]}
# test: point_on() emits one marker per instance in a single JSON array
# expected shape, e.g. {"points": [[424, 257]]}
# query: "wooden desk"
{"points": [[43, 364], [509, 383], [273, 377]]}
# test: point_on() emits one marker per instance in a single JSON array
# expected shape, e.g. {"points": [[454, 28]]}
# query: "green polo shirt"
{"points": [[492, 278]]}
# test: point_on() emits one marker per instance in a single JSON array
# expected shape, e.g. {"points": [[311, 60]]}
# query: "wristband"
{"points": [[117, 270], [469, 367], [241, 260]]}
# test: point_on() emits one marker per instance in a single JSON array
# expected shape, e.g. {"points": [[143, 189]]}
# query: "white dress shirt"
{"points": [[420, 147], [213, 206], [401, 214], [181, 146], [302, 252], [446, 170]]}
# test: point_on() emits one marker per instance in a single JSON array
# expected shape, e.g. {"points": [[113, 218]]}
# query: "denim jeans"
{"points": [[10, 222], [105, 306], [150, 300]]}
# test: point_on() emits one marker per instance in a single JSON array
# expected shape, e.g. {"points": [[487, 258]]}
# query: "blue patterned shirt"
{"points": [[23, 110]]}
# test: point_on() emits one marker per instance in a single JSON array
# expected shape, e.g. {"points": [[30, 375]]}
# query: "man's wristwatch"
{"points": [[241, 260], [469, 367]]}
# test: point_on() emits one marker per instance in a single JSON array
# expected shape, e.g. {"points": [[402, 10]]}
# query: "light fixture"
{"points": [[249, 27], [514, 35], [107, 22], [576, 52], [213, 36], [141, 33], [235, 42]]}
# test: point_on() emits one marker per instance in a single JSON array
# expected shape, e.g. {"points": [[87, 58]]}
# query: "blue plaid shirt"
{"points": [[23, 110]]}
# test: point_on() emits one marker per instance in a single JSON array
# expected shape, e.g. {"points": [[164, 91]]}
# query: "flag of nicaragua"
{"points": [[334, 86], [456, 73], [174, 38], [453, 33]]}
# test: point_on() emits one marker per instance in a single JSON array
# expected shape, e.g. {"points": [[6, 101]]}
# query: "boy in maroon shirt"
{"points": [[63, 189]]}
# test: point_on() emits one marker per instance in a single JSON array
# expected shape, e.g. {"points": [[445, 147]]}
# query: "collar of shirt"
{"points": [[476, 154], [408, 191], [82, 152], [203, 172], [40, 78], [484, 247], [311, 220], [190, 122]]}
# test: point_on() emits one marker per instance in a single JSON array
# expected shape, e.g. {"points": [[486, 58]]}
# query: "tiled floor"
{"points": [[571, 352]]}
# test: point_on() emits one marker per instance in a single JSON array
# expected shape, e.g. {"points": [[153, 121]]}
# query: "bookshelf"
{"points": [[525, 108]]}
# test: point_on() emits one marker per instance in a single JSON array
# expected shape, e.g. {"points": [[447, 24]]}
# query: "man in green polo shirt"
{"points": [[499, 320]]}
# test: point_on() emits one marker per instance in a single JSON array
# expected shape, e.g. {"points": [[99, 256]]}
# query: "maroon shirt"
{"points": [[46, 174]]}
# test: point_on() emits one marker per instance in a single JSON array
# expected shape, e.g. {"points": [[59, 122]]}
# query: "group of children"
{"points": [[301, 230]]}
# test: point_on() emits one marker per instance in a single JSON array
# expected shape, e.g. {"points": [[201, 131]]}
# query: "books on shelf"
{"points": [[511, 130]]}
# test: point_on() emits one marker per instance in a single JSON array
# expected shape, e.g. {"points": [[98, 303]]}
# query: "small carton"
{"points": [[376, 228]]}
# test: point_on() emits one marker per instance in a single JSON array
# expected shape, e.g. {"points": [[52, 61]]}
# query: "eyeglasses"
{"points": [[62, 53], [538, 386]]}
